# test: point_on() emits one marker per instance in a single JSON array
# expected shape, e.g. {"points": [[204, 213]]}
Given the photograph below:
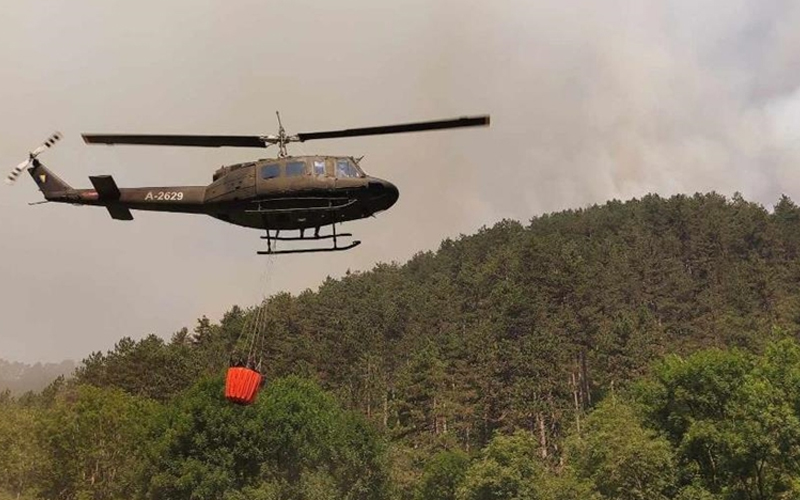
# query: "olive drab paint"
{"points": [[273, 194]]}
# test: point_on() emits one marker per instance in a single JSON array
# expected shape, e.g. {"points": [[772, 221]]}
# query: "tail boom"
{"points": [[119, 201]]}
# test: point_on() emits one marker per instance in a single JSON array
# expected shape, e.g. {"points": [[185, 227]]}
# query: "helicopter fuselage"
{"points": [[272, 194]]}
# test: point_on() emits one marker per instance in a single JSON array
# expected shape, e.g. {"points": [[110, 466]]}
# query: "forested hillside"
{"points": [[555, 359]]}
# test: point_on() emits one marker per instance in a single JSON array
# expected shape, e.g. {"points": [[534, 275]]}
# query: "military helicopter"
{"points": [[275, 194]]}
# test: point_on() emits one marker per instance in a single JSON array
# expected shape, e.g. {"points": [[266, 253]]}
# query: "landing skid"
{"points": [[302, 237], [306, 238], [310, 250]]}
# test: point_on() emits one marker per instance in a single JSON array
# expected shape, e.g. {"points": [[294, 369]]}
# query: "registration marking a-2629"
{"points": [[164, 196]]}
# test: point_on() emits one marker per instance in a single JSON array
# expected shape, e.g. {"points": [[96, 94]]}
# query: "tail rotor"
{"points": [[12, 177]]}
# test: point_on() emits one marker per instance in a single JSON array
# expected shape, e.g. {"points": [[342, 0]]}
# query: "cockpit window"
{"points": [[319, 167], [270, 171], [295, 168], [345, 169]]}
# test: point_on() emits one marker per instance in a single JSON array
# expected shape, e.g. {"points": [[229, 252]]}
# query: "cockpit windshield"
{"points": [[345, 168]]}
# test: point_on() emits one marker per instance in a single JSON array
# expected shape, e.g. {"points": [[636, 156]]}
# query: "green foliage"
{"points": [[20, 454], [312, 440], [621, 458], [442, 476], [206, 447], [147, 368], [695, 492], [517, 326], [510, 468], [92, 444], [733, 419], [5, 495], [295, 442]]}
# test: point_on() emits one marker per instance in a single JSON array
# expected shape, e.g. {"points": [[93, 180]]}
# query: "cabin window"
{"points": [[345, 169], [295, 168], [319, 167], [270, 171]]}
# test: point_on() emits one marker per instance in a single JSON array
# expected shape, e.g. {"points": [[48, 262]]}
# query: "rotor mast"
{"points": [[282, 139]]}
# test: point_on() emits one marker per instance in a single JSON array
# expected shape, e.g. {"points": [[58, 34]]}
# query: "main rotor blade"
{"points": [[467, 121], [208, 141]]}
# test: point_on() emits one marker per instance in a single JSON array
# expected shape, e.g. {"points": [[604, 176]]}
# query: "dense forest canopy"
{"points": [[639, 349]]}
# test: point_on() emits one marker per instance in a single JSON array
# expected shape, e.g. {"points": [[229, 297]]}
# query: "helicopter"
{"points": [[286, 193]]}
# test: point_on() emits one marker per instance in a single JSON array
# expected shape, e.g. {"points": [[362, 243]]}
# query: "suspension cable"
{"points": [[255, 339]]}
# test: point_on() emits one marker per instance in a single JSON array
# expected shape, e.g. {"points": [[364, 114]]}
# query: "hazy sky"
{"points": [[589, 101]]}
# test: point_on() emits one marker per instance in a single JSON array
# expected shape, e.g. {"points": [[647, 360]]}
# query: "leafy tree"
{"points": [[20, 453], [295, 442], [92, 444], [443, 474], [309, 436], [621, 458], [510, 469], [148, 367], [733, 418]]}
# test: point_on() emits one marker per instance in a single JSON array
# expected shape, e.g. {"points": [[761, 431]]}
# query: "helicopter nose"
{"points": [[384, 192], [391, 193]]}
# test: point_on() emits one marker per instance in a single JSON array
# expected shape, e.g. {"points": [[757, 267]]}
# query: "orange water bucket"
{"points": [[242, 385]]}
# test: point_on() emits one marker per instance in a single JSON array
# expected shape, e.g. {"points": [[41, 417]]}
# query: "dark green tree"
{"points": [[295, 442], [442, 476], [510, 468], [621, 458], [733, 418], [92, 443]]}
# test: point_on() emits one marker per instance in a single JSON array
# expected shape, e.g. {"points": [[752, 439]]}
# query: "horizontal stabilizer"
{"points": [[119, 213], [106, 189]]}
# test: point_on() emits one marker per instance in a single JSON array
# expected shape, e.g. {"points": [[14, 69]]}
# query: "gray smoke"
{"points": [[589, 101]]}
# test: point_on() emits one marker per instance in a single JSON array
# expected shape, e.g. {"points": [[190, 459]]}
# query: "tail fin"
{"points": [[49, 183]]}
